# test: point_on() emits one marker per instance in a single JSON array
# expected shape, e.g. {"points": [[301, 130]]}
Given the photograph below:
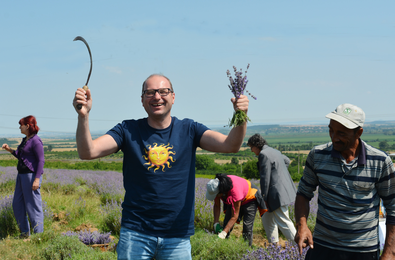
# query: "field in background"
{"points": [[287, 142], [321, 138], [276, 135]]}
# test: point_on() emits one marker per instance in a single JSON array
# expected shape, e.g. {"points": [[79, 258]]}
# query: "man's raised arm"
{"points": [[216, 142], [87, 148]]}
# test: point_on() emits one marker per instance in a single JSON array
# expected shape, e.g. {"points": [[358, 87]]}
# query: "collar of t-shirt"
{"points": [[360, 159], [349, 166]]}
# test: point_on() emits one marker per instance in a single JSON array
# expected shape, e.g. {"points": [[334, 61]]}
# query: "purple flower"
{"points": [[275, 251], [90, 238], [237, 86], [239, 82]]}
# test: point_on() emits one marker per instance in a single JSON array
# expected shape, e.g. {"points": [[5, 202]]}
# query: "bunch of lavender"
{"points": [[237, 86], [90, 238], [275, 251]]}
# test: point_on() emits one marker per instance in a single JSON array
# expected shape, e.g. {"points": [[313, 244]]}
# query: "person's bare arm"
{"points": [[234, 217], [87, 148], [217, 209], [216, 142], [389, 246], [303, 235]]}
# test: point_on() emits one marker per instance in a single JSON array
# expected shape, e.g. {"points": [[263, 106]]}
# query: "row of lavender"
{"points": [[104, 182], [109, 186]]}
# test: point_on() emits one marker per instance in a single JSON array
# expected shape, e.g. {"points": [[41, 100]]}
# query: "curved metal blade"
{"points": [[79, 38]]}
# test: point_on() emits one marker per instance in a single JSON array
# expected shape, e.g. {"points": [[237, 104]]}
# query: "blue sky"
{"points": [[306, 58]]}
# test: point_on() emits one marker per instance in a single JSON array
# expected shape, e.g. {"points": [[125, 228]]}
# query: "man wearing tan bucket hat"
{"points": [[352, 176]]}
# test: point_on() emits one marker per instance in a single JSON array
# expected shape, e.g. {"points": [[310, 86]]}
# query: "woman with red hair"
{"points": [[27, 196]]}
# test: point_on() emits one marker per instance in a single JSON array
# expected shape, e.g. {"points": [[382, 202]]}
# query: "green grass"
{"points": [[76, 208], [206, 246], [76, 205], [82, 206], [208, 176]]}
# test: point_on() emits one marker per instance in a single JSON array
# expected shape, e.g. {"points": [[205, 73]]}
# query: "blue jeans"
{"points": [[136, 245]]}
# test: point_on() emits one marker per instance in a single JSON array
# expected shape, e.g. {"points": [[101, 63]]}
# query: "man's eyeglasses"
{"points": [[162, 91]]}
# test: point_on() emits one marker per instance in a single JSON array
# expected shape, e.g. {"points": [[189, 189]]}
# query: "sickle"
{"points": [[79, 38]]}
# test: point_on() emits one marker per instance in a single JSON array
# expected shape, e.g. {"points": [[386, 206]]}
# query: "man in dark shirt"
{"points": [[159, 169]]}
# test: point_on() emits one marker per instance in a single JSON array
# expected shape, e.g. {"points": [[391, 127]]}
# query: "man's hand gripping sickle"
{"points": [[83, 99]]}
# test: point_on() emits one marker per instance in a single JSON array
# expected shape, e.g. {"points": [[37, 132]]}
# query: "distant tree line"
{"points": [[7, 141], [294, 147], [385, 146], [205, 165]]}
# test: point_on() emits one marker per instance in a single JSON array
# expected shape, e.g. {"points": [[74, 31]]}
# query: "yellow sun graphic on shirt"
{"points": [[158, 156]]}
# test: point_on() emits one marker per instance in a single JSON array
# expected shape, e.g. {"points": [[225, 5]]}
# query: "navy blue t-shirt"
{"points": [[159, 176]]}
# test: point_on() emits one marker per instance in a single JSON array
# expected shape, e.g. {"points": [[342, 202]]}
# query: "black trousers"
{"points": [[325, 253], [247, 214]]}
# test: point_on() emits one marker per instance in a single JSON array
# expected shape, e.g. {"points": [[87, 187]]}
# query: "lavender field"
{"points": [[85, 197]]}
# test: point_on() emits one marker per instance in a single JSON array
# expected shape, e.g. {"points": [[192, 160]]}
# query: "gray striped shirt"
{"points": [[348, 200]]}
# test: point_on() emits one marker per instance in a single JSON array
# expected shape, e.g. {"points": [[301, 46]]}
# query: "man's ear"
{"points": [[359, 132]]}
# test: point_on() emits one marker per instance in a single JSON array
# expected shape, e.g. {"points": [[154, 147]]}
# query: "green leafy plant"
{"points": [[112, 212], [209, 246], [8, 225], [64, 247]]}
